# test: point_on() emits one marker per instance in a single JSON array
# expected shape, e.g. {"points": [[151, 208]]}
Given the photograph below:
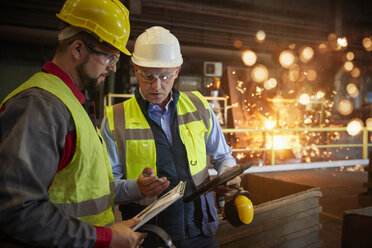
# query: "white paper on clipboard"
{"points": [[162, 203]]}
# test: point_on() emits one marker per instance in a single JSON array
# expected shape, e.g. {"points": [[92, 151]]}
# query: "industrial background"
{"points": [[304, 66]]}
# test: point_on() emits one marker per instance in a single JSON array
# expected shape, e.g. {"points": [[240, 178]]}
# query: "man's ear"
{"points": [[77, 49], [178, 71]]}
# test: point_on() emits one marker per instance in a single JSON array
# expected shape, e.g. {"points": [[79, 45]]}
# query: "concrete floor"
{"points": [[340, 189]]}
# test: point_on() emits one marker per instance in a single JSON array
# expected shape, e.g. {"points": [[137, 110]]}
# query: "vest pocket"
{"points": [[140, 154]]}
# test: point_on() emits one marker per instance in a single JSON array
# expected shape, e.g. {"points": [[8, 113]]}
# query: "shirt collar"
{"points": [[52, 68]]}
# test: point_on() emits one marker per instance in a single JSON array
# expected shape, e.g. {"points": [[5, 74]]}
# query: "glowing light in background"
{"points": [[348, 65], [369, 122], [260, 36], [355, 72], [311, 75], [283, 142], [345, 107], [259, 73], [286, 58], [320, 94], [350, 56], [354, 127], [270, 124], [295, 73], [352, 90], [238, 44], [367, 44], [249, 57], [342, 41], [306, 54], [304, 99], [322, 48], [270, 84]]}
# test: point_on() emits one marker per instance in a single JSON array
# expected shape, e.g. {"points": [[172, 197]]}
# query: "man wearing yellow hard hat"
{"points": [[56, 183], [166, 134]]}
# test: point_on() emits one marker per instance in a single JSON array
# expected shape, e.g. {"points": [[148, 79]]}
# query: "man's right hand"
{"points": [[150, 185], [124, 236]]}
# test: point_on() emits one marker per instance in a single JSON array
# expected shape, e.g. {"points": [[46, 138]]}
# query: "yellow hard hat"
{"points": [[108, 19]]}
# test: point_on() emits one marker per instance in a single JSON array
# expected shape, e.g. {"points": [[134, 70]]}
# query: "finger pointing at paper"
{"points": [[150, 185]]}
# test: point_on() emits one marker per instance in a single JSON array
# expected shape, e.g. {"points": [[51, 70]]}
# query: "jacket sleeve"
{"points": [[33, 128], [217, 148]]}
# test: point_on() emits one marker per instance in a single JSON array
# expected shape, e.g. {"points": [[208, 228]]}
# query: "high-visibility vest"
{"points": [[85, 187], [135, 141]]}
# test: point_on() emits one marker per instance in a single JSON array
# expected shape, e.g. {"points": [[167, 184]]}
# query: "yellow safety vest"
{"points": [[135, 141], [85, 187]]}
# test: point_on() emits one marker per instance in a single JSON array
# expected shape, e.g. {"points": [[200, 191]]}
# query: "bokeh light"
{"points": [[342, 41], [348, 65], [304, 99], [260, 36], [367, 44], [259, 73], [352, 90], [270, 83], [238, 44], [369, 122], [311, 75], [249, 57], [345, 107], [286, 58], [355, 72], [320, 94], [354, 127], [306, 54], [350, 56]]}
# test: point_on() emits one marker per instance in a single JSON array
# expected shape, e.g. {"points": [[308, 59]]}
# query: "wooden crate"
{"points": [[285, 215]]}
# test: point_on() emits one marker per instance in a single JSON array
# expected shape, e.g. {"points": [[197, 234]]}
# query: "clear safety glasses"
{"points": [[111, 58], [150, 78]]}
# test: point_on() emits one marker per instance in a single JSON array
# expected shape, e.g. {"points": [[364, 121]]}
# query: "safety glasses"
{"points": [[111, 58], [150, 78]]}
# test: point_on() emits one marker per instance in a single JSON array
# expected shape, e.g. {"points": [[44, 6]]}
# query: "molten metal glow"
{"points": [[284, 142], [270, 124]]}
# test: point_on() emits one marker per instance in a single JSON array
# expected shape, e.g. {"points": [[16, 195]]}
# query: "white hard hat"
{"points": [[157, 48]]}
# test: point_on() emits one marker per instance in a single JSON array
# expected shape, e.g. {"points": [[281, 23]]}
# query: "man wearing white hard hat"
{"points": [[167, 134]]}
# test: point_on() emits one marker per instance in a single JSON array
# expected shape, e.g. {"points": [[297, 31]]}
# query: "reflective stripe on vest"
{"points": [[136, 144], [85, 187]]}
